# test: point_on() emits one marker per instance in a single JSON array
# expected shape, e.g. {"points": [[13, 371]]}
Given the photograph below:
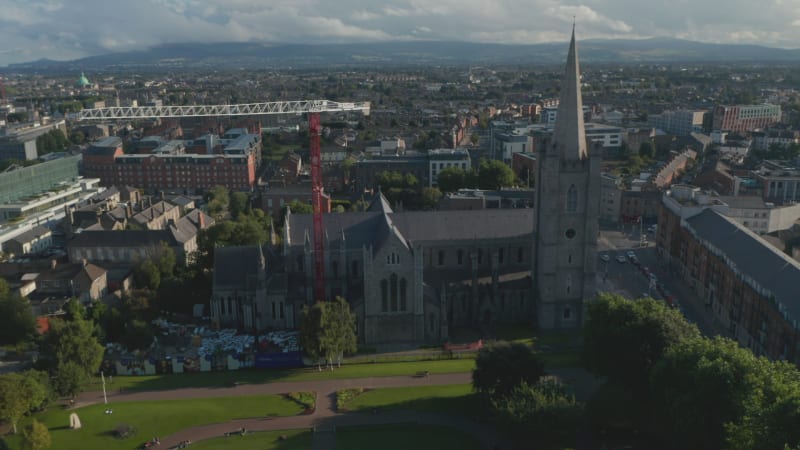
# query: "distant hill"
{"points": [[235, 55]]}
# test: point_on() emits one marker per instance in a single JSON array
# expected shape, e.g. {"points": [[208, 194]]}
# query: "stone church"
{"points": [[410, 276]]}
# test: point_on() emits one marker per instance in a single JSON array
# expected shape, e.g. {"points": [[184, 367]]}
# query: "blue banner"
{"points": [[278, 360]]}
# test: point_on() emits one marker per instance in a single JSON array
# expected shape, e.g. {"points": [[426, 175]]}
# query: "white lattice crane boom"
{"points": [[247, 109]]}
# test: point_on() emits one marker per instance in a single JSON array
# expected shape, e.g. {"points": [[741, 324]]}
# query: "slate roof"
{"points": [[236, 266], [127, 238], [752, 256], [371, 227], [31, 234]]}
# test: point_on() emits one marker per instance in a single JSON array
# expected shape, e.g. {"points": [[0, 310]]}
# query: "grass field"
{"points": [[228, 378], [403, 437], [153, 418], [456, 399], [266, 440]]}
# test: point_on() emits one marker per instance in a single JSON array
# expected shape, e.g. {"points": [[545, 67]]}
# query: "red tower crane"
{"points": [[316, 202], [312, 107]]}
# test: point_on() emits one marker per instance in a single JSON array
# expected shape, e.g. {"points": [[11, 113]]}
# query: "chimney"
{"points": [[84, 262], [129, 210], [162, 196], [201, 221]]}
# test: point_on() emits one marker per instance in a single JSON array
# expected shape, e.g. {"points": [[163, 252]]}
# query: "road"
{"points": [[628, 280]]}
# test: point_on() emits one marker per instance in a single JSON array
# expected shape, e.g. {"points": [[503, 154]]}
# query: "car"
{"points": [[630, 254], [605, 257], [621, 259], [653, 277]]}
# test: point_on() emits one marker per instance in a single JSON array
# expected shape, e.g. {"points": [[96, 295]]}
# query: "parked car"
{"points": [[605, 257], [631, 255], [621, 259]]}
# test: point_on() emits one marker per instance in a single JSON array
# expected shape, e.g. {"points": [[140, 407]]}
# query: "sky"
{"points": [[71, 29]]}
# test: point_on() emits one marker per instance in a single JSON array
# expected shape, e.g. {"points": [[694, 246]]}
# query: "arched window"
{"points": [[393, 290], [384, 295], [441, 257], [403, 294], [572, 199]]}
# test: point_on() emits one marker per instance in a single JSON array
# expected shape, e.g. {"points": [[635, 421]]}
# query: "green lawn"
{"points": [[403, 437], [456, 399], [228, 378], [267, 440], [153, 418]]}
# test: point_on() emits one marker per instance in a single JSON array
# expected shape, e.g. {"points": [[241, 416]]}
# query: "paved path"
{"points": [[324, 418]]}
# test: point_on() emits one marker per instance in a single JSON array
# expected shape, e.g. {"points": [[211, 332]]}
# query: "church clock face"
{"points": [[570, 233]]}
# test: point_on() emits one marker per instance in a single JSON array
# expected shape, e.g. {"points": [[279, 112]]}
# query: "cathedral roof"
{"points": [[416, 226], [237, 266], [569, 137], [380, 204]]}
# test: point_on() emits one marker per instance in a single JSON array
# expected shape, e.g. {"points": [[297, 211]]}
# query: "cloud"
{"points": [[60, 30]]}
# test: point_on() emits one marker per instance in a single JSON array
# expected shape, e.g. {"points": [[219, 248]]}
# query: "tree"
{"points": [[493, 174], [541, 413], [239, 203], [430, 197], [147, 275], [17, 323], [19, 394], [624, 339], [501, 367], [328, 330], [451, 179], [646, 150], [298, 207], [72, 353], [36, 436], [700, 386]]}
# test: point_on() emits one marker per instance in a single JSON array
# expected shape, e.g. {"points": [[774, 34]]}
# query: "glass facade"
{"points": [[20, 184]]}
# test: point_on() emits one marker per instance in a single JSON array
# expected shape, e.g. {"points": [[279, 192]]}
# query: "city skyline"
{"points": [[54, 29]]}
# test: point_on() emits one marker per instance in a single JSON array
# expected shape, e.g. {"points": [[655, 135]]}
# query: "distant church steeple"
{"points": [[570, 136]]}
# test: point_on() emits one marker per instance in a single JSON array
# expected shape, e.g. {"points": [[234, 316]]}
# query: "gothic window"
{"points": [[280, 309], [299, 263], [500, 256], [273, 310], [335, 269], [441, 257], [520, 255], [354, 268], [433, 322], [567, 313], [393, 290], [460, 257], [384, 295], [480, 256], [393, 259], [403, 289], [569, 259], [572, 199]]}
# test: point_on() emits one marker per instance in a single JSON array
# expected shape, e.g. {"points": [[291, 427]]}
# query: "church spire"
{"points": [[569, 135]]}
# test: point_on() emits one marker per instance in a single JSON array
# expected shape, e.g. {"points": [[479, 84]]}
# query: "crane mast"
{"points": [[312, 107]]}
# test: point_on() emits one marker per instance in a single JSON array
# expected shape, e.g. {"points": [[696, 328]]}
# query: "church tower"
{"points": [[567, 207]]}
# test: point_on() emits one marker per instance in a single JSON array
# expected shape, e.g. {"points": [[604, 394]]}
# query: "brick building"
{"points": [[745, 284], [235, 168], [743, 118]]}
